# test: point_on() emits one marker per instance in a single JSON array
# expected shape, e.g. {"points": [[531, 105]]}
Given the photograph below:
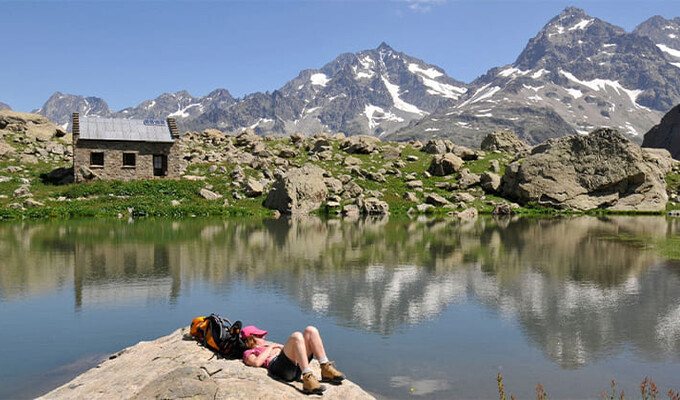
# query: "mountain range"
{"points": [[576, 74]]}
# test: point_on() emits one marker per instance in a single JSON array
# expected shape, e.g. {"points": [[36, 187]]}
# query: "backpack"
{"points": [[219, 335]]}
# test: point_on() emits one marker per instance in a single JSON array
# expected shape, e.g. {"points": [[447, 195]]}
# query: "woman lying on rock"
{"points": [[293, 362]]}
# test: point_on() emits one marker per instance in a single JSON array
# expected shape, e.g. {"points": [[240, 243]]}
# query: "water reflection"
{"points": [[580, 288]]}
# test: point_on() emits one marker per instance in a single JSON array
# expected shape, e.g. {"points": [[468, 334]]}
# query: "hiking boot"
{"points": [[330, 374], [311, 385]]}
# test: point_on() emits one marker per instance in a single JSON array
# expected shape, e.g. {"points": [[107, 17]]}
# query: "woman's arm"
{"points": [[257, 361]]}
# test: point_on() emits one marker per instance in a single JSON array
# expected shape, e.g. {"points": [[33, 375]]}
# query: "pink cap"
{"points": [[252, 330]]}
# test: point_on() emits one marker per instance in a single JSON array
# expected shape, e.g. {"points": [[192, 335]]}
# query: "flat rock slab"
{"points": [[177, 367]]}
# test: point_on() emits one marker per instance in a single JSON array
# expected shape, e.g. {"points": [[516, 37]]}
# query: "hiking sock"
{"points": [[304, 371], [323, 360]]}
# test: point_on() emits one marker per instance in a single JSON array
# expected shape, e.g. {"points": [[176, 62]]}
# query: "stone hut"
{"points": [[125, 149]]}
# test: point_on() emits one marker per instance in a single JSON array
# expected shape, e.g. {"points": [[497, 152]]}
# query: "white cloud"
{"points": [[423, 5]]}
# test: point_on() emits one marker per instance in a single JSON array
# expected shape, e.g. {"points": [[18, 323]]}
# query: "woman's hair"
{"points": [[250, 342]]}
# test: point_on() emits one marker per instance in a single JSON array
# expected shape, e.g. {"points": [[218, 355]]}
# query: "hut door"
{"points": [[160, 164]]}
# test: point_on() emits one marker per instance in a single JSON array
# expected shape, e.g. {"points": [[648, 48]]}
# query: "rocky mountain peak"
{"points": [[664, 33], [384, 47], [4, 106], [59, 106]]}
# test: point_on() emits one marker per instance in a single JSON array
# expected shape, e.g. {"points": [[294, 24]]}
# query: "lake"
{"points": [[408, 308]]}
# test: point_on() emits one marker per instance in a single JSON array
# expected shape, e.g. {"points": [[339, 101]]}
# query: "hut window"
{"points": [[129, 159], [97, 158]]}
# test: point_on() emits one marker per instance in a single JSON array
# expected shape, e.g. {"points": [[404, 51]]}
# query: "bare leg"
{"points": [[296, 350], [313, 343]]}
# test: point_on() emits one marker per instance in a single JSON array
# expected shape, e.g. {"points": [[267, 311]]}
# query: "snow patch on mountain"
{"points": [[601, 85], [539, 73], [582, 25], [182, 112], [512, 71], [575, 93], [376, 114], [431, 73], [398, 102], [443, 89], [673, 52], [319, 79], [481, 94]]}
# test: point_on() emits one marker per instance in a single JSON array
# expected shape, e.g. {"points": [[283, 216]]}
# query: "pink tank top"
{"points": [[256, 352]]}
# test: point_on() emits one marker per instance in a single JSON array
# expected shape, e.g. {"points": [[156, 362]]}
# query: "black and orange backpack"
{"points": [[219, 335]]}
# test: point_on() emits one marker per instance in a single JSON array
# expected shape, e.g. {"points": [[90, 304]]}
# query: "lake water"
{"points": [[407, 308]]}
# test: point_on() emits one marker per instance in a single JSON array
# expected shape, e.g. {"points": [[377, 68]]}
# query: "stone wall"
{"points": [[113, 160]]}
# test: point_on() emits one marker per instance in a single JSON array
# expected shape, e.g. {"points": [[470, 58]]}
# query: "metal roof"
{"points": [[136, 130]]}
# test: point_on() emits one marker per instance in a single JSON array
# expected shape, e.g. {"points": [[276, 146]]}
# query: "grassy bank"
{"points": [[387, 179]]}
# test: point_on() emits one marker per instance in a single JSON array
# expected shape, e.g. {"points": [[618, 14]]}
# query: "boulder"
{"points": [[30, 202], [209, 194], [299, 191], [503, 209], [350, 210], [350, 161], [6, 150], [253, 188], [467, 179], [436, 200], [414, 184], [445, 164], [376, 177], [22, 191], [391, 153], [247, 138], [288, 152], [28, 159], [352, 190], [438, 146], [237, 174], [462, 197], [176, 367], [374, 206], [666, 134], [320, 145], [506, 141], [494, 166], [599, 170], [334, 185], [465, 153], [297, 137], [490, 182], [360, 144], [32, 125], [410, 196]]}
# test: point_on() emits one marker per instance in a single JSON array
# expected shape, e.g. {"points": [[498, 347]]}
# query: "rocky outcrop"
{"points": [[666, 135], [599, 170], [445, 164], [177, 367], [299, 191], [32, 125], [360, 144], [506, 141]]}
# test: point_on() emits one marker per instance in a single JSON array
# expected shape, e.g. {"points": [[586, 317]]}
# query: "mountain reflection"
{"points": [[580, 288]]}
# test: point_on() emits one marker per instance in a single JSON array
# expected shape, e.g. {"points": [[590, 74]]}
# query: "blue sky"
{"points": [[130, 51]]}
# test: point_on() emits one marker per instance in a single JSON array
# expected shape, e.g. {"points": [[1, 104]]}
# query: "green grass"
{"points": [[151, 198]]}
